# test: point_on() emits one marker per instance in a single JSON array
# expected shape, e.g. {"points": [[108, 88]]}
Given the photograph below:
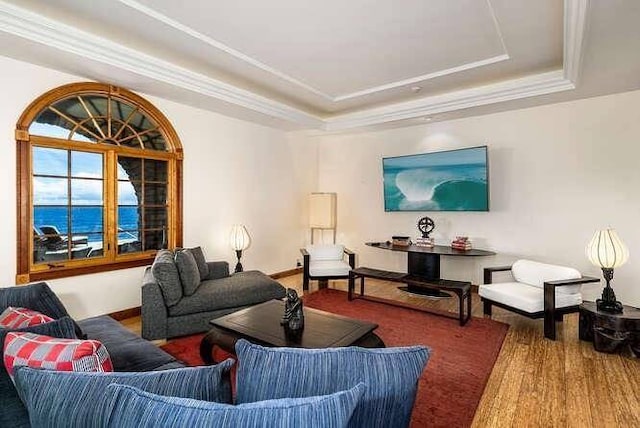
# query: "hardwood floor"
{"points": [[535, 382]]}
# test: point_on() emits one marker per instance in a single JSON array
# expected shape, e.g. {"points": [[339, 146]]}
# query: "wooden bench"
{"points": [[462, 289]]}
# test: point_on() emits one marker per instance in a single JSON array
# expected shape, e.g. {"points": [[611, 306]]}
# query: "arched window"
{"points": [[99, 182]]}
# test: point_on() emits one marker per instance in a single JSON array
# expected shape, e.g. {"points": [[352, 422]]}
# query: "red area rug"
{"points": [[461, 361]]}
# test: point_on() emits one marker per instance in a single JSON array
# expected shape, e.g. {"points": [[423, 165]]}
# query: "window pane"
{"points": [[50, 161], [129, 168], [85, 164], [153, 141], [126, 134], [87, 134], [120, 110], [140, 123], [87, 220], [128, 218], [97, 104], [50, 191], [155, 194], [72, 108], [155, 170], [155, 218], [50, 124], [132, 142], [57, 217], [86, 192], [155, 240], [127, 193]]}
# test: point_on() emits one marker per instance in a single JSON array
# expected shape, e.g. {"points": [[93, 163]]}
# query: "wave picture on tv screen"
{"points": [[454, 180]]}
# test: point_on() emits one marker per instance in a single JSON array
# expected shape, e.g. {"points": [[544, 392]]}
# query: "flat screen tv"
{"points": [[453, 180]]}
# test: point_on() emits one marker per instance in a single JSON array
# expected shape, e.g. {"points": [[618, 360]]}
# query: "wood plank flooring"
{"points": [[535, 382]]}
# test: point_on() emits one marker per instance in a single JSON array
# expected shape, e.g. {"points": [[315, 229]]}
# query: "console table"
{"points": [[424, 262], [423, 274]]}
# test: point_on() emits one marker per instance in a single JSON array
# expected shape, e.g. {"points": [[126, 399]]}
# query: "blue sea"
{"points": [[86, 220], [436, 188]]}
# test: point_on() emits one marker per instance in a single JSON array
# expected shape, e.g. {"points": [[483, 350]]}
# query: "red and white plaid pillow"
{"points": [[38, 351], [22, 317]]}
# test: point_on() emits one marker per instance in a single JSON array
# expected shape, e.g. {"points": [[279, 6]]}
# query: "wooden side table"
{"points": [[608, 331]]}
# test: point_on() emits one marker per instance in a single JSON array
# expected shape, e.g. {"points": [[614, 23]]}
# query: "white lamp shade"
{"points": [[239, 238], [322, 210], [606, 250]]}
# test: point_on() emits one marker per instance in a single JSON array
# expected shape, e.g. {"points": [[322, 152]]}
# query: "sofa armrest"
{"points": [[153, 309], [218, 270], [488, 272]]}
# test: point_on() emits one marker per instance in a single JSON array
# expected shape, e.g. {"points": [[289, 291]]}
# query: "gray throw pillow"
{"points": [[188, 271], [166, 274], [200, 261], [38, 297]]}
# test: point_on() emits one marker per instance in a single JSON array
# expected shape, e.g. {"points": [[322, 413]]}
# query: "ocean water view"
{"points": [[442, 187], [86, 220]]}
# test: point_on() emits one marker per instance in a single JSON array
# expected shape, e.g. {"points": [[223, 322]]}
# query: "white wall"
{"points": [[557, 173], [234, 172]]}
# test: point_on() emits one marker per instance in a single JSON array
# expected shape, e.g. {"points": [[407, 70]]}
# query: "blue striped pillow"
{"points": [[70, 399], [391, 376], [133, 408]]}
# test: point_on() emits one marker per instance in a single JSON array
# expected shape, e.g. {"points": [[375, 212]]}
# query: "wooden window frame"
{"points": [[27, 270]]}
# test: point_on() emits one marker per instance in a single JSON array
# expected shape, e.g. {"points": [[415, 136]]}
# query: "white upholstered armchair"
{"points": [[325, 262], [538, 290]]}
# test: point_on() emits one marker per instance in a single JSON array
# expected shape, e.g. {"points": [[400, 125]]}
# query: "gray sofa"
{"points": [[128, 352], [167, 311]]}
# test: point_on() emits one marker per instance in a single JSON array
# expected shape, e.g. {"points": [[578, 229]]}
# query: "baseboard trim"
{"points": [[286, 273], [125, 313]]}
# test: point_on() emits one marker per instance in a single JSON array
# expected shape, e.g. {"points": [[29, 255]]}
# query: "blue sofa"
{"points": [[128, 352]]}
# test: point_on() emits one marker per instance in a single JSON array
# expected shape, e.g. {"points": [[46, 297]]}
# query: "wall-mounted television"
{"points": [[452, 180]]}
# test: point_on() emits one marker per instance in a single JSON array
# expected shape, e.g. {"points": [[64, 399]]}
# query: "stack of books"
{"points": [[461, 243], [403, 241], [425, 242]]}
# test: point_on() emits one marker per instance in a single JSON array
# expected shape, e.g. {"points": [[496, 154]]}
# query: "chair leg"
{"points": [[486, 306], [550, 327], [352, 285], [305, 284]]}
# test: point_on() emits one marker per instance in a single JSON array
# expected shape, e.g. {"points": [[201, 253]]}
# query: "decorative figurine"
{"points": [[426, 226], [293, 317]]}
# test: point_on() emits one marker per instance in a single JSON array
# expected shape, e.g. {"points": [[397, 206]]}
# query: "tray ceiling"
{"points": [[330, 64]]}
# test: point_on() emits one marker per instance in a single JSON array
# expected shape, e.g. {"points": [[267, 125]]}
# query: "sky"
{"points": [[86, 190]]}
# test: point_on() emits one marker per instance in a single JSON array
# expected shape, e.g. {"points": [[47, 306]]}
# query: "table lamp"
{"points": [[239, 240], [607, 251]]}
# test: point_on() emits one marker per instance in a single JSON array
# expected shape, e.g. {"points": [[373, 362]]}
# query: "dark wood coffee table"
{"points": [[260, 324]]}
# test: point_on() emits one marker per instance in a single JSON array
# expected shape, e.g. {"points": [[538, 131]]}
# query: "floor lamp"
{"points": [[322, 213]]}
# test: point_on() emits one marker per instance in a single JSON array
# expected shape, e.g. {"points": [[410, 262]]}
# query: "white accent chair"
{"points": [[539, 290], [324, 262]]}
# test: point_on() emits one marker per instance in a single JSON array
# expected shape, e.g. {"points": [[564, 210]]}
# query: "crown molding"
{"points": [[160, 17], [575, 28], [424, 77], [48, 32], [34, 27], [531, 86]]}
